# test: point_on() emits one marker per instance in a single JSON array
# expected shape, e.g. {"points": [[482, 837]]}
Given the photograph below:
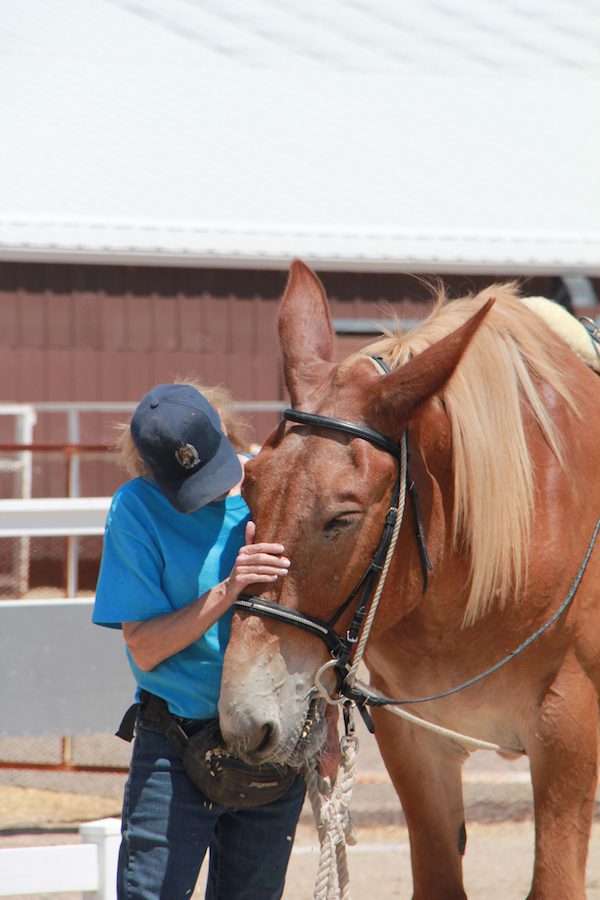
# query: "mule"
{"points": [[503, 422]]}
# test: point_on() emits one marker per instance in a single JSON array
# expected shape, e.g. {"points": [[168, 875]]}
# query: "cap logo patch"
{"points": [[187, 456]]}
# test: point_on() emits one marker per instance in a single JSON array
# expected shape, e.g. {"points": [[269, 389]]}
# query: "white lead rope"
{"points": [[351, 677], [471, 742], [330, 801]]}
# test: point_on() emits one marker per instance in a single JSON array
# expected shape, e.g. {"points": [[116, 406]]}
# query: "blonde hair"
{"points": [[218, 396], [500, 376]]}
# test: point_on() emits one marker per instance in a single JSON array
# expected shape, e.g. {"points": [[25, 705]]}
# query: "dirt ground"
{"points": [[23, 809], [497, 864]]}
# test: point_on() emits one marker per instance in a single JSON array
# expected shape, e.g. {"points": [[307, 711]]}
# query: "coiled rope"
{"points": [[330, 801]]}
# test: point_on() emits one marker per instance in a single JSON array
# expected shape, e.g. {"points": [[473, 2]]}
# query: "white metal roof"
{"points": [[429, 135]]}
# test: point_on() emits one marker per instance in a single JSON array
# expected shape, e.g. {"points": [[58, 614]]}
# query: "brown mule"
{"points": [[504, 424]]}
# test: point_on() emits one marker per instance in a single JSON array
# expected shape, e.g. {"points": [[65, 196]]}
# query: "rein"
{"points": [[382, 700]]}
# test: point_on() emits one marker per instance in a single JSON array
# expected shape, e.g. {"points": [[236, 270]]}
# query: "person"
{"points": [[178, 551]]}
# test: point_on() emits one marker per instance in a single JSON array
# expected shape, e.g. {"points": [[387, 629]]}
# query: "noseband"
{"points": [[341, 647]]}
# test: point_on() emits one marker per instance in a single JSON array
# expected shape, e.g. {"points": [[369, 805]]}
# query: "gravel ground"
{"points": [[497, 865], [24, 809], [498, 862]]}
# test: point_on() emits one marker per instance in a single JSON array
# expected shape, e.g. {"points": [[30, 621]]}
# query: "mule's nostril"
{"points": [[265, 738]]}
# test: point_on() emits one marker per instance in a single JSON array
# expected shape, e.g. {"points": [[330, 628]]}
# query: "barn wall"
{"points": [[111, 332]]}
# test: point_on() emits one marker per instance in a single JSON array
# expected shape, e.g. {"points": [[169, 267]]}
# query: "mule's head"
{"points": [[324, 495]]}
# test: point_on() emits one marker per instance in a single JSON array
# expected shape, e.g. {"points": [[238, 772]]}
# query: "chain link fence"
{"points": [[36, 567], [91, 764]]}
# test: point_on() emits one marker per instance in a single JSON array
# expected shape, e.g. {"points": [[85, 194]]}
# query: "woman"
{"points": [[178, 551]]}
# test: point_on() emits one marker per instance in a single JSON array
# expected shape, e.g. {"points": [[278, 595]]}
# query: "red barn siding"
{"points": [[109, 333]]}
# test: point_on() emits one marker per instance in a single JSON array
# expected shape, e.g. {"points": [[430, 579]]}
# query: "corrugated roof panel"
{"points": [[375, 133]]}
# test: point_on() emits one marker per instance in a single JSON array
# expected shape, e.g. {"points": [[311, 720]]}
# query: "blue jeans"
{"points": [[168, 825]]}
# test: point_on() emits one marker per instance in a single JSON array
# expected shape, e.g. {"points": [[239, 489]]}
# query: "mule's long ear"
{"points": [[399, 393], [305, 332]]}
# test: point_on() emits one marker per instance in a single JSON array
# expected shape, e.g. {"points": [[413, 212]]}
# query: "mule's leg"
{"points": [[563, 752], [426, 772]]}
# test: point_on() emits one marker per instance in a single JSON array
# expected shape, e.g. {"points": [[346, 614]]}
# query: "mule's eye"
{"points": [[341, 521]]}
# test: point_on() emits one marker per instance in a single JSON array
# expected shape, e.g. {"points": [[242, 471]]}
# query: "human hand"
{"points": [[255, 564]]}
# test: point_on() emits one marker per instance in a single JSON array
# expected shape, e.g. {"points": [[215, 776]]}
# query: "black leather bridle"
{"points": [[341, 647]]}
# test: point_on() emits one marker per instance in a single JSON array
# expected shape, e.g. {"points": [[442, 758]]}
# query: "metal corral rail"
{"points": [[17, 456]]}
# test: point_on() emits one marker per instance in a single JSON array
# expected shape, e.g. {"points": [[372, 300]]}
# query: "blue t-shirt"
{"points": [[157, 560]]}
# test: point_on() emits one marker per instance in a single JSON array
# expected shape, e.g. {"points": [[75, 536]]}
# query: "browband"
{"points": [[361, 431]]}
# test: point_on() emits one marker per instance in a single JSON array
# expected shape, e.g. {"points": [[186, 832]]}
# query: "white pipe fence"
{"points": [[26, 417], [70, 517], [53, 516], [90, 867]]}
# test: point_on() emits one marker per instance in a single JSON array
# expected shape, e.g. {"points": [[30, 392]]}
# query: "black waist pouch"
{"points": [[223, 779]]}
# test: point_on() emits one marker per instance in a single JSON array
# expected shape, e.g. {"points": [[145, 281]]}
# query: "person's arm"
{"points": [[153, 640]]}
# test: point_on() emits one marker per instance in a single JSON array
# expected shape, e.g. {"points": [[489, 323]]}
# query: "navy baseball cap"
{"points": [[179, 438]]}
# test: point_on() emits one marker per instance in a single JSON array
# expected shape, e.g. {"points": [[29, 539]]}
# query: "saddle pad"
{"points": [[570, 329]]}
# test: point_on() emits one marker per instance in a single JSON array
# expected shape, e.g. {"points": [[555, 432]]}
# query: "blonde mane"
{"points": [[497, 383]]}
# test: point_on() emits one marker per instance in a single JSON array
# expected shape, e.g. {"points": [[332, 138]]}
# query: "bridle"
{"points": [[339, 646]]}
